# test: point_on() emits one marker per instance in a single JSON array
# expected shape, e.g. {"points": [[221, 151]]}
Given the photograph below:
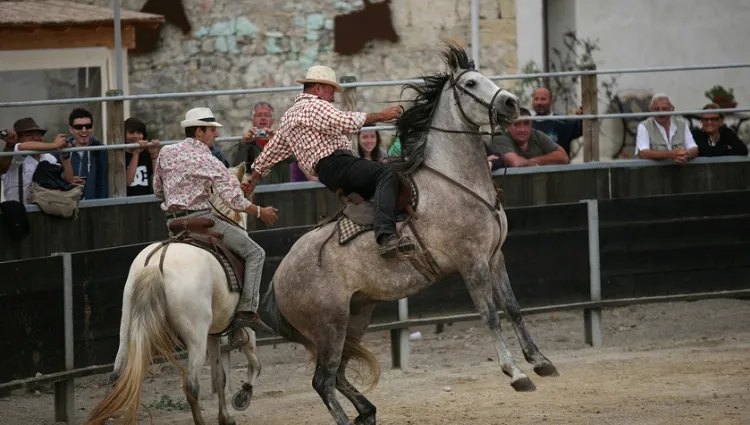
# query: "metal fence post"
{"points": [[592, 318], [400, 338], [65, 390]]}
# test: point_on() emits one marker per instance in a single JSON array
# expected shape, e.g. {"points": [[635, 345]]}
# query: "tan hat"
{"points": [[200, 117], [321, 74]]}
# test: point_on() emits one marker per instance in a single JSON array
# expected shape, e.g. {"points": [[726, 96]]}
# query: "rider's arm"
{"points": [[157, 183], [227, 187], [328, 119], [277, 150]]}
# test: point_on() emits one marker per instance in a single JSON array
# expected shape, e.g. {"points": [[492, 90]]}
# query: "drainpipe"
{"points": [[475, 32]]}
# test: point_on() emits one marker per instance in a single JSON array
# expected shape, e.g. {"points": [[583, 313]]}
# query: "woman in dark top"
{"points": [[139, 161], [716, 139]]}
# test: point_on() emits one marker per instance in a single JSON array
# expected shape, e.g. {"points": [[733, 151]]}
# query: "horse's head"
{"points": [[221, 208], [457, 102], [477, 100]]}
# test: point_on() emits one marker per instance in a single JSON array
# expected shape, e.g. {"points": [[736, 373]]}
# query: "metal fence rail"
{"points": [[391, 128], [283, 89]]}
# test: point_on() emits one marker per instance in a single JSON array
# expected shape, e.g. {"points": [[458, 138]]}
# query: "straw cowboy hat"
{"points": [[200, 117], [321, 74]]}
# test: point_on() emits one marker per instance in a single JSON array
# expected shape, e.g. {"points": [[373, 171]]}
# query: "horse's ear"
{"points": [[241, 169]]}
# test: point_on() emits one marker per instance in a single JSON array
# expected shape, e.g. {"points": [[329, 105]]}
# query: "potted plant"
{"points": [[722, 97]]}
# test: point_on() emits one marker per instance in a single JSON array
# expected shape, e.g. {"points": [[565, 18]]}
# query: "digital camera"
{"points": [[261, 133]]}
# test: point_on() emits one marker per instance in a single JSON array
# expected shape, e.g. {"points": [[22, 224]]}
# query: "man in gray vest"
{"points": [[665, 136]]}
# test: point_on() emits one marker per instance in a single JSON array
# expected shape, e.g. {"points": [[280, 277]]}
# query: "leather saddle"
{"points": [[362, 211], [197, 232]]}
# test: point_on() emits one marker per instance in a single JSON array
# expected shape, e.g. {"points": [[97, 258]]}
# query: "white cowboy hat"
{"points": [[200, 117], [321, 74]]}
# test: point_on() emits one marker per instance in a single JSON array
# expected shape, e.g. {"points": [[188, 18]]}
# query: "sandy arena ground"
{"points": [[677, 363]]}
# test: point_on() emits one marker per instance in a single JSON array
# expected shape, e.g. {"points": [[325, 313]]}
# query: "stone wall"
{"points": [[265, 43]]}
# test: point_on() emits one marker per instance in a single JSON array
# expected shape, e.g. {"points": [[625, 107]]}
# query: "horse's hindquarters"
{"points": [[196, 288]]}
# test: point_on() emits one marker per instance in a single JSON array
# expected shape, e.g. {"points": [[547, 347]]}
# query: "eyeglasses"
{"points": [[88, 126], [710, 119]]}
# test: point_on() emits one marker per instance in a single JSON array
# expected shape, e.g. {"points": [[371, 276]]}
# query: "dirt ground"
{"points": [[676, 363]]}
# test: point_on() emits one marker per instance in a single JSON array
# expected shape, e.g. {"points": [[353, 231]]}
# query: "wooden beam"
{"points": [[64, 38]]}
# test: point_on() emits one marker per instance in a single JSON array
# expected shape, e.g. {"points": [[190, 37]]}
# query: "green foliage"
{"points": [[166, 403]]}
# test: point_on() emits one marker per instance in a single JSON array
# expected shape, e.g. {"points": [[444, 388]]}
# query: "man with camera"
{"points": [[256, 134]]}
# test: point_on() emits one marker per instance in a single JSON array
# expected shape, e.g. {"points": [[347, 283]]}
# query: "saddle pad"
{"points": [[234, 282], [349, 230]]}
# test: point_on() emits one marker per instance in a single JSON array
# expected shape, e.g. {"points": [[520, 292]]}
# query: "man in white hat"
{"points": [[185, 175], [317, 133]]}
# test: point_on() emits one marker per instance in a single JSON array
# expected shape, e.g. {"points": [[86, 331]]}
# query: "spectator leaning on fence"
{"points": [[30, 139], [524, 146], [139, 162], [715, 138], [89, 167], [652, 142]]}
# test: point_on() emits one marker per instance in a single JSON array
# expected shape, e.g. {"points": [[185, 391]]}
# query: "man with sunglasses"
{"points": [[716, 139], [89, 167], [665, 136]]}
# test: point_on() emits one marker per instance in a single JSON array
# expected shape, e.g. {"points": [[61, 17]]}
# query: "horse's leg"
{"points": [[242, 398], [505, 296], [355, 330], [217, 374], [196, 347], [329, 343], [477, 280]]}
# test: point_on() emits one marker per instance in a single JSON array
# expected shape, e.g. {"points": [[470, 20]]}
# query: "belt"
{"points": [[337, 152], [182, 213]]}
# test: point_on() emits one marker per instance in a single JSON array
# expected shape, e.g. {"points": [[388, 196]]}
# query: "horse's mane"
{"points": [[221, 208], [414, 123]]}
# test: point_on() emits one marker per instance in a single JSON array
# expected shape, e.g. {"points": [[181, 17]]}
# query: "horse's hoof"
{"points": [[359, 420], [241, 399], [227, 421], [523, 384], [546, 369], [113, 377]]}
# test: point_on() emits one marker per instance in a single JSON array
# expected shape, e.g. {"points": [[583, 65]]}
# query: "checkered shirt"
{"points": [[311, 129], [185, 175]]}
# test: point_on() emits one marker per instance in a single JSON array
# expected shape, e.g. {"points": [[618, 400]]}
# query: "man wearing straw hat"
{"points": [[316, 132], [185, 175]]}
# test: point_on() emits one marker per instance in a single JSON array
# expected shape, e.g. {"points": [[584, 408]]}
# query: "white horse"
{"points": [[189, 300]]}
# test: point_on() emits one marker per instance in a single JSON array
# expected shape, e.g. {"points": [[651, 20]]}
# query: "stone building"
{"points": [[265, 43]]}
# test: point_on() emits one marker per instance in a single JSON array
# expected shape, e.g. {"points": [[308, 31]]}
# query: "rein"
{"points": [[492, 114]]}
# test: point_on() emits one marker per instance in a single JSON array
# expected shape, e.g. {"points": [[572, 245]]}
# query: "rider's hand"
{"points": [[268, 215], [392, 112], [248, 188]]}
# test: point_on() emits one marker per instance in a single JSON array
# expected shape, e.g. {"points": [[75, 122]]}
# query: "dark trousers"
{"points": [[369, 179]]}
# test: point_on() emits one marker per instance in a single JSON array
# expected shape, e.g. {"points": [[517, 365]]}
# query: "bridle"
{"points": [[491, 112]]}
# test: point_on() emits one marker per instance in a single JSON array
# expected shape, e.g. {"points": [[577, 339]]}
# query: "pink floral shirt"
{"points": [[186, 173], [311, 129]]}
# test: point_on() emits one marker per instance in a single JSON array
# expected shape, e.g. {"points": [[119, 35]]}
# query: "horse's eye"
{"points": [[471, 83]]}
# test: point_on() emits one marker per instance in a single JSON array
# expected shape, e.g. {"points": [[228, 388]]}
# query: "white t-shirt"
{"points": [[10, 179]]}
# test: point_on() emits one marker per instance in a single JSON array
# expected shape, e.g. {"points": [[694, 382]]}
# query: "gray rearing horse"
{"points": [[327, 305]]}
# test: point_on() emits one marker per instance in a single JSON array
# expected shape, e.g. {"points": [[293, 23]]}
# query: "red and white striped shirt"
{"points": [[185, 174], [311, 129]]}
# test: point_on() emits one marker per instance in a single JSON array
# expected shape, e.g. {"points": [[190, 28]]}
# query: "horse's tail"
{"points": [[149, 332], [369, 370]]}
